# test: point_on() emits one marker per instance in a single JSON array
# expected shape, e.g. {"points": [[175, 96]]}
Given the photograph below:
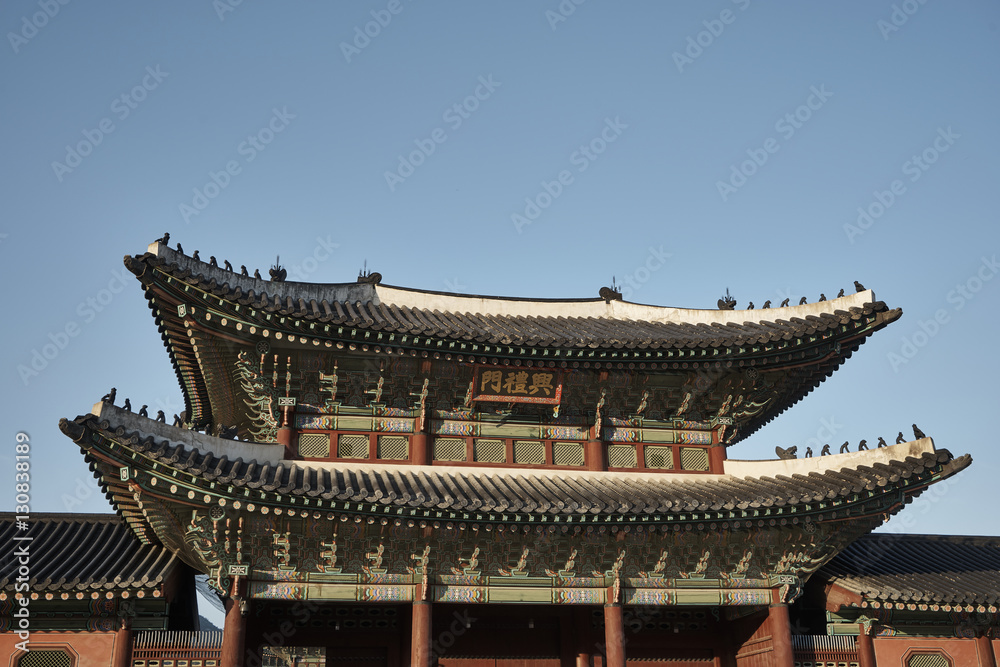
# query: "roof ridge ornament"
{"points": [[278, 274], [366, 277], [613, 293], [727, 302]]}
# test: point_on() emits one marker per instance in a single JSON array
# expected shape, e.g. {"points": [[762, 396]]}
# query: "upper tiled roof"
{"points": [[938, 569], [567, 323], [74, 553]]}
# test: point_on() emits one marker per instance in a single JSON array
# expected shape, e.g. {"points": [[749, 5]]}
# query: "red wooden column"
{"points": [[866, 647], [984, 647], [420, 640], [234, 632], [781, 636], [122, 656], [420, 451], [614, 636], [594, 454]]}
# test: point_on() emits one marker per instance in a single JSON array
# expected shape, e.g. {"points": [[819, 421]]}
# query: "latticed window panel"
{"points": [[314, 445], [567, 454], [530, 452], [352, 447], [489, 451], [622, 456], [928, 660], [449, 449], [393, 447], [658, 457], [35, 658], [694, 458]]}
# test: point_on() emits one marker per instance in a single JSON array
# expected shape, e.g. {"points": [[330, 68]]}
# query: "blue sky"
{"points": [[529, 149]]}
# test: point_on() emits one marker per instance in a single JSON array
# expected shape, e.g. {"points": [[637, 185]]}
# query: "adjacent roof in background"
{"points": [[944, 569], [82, 553]]}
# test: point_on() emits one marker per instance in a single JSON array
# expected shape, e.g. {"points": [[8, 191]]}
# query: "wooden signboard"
{"points": [[517, 385]]}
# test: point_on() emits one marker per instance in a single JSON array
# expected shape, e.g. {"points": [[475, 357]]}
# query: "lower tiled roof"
{"points": [[532, 491], [941, 569], [80, 553]]}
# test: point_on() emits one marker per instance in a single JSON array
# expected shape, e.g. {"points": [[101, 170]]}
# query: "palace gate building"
{"points": [[372, 475]]}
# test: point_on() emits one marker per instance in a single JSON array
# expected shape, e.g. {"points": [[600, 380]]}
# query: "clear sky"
{"points": [[524, 149]]}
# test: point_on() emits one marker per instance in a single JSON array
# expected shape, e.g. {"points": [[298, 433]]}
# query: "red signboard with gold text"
{"points": [[517, 385]]}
